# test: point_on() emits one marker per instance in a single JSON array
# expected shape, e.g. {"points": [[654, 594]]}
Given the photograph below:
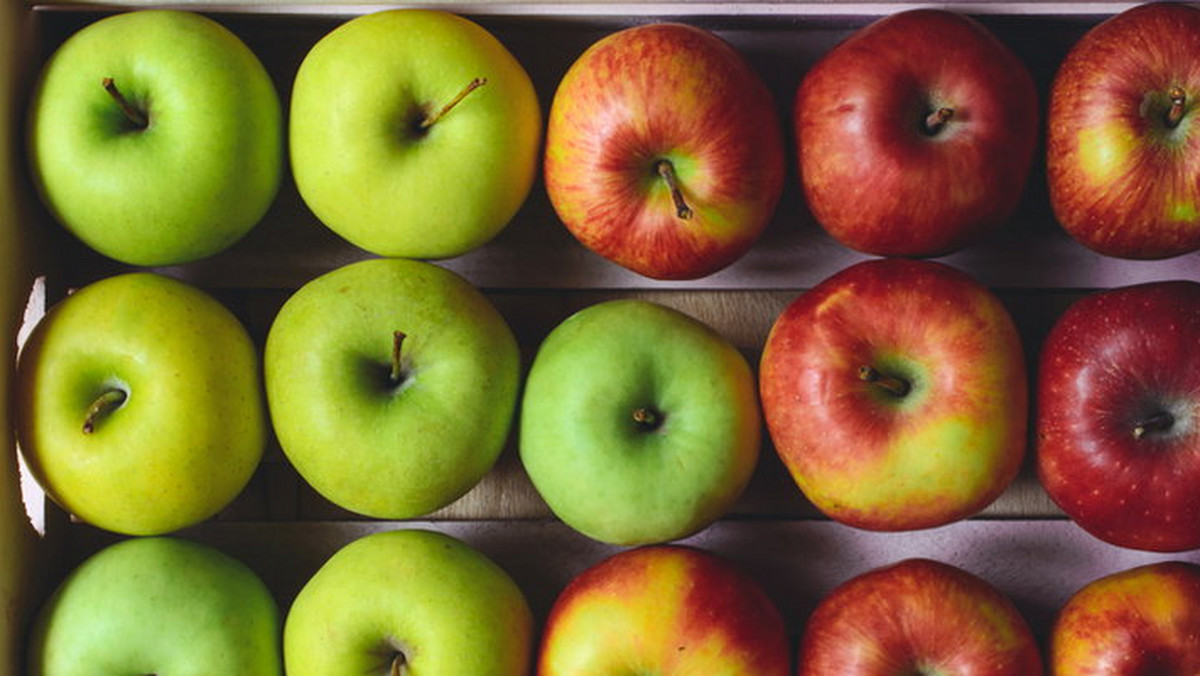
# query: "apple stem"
{"points": [[1178, 103], [398, 665], [1159, 422], [137, 117], [431, 120], [646, 418], [397, 374], [936, 121], [666, 170], [108, 401], [892, 384]]}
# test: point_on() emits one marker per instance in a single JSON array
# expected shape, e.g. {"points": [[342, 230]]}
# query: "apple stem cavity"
{"points": [[107, 402], [397, 373], [433, 119], [1157, 423], [139, 119], [666, 170], [935, 121], [646, 418], [893, 385], [1178, 106]]}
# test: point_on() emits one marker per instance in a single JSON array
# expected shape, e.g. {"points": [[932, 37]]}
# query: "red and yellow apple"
{"points": [[1136, 622], [917, 617], [895, 392], [1122, 144], [664, 151], [664, 609], [916, 134]]}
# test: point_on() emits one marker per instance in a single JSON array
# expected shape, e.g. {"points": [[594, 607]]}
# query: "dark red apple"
{"points": [[1123, 138], [916, 134], [1118, 415]]}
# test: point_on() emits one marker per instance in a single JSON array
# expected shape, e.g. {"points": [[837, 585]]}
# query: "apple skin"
{"points": [[1136, 622], [611, 477], [158, 606], [1113, 361], [875, 460], [664, 92], [370, 177], [917, 617], [425, 598], [365, 443], [664, 609], [191, 184], [872, 176], [1122, 181], [191, 430]]}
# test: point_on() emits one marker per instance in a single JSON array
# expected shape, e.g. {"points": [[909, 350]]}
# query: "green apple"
{"points": [[639, 423], [139, 404], [158, 606], [392, 385], [409, 602], [414, 133], [156, 137]]}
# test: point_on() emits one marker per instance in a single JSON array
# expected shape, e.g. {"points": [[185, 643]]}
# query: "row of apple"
{"points": [[416, 133], [417, 601], [895, 392]]}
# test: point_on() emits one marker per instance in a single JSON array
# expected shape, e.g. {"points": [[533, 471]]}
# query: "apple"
{"points": [[1122, 159], [156, 137], [664, 151], [414, 133], [392, 385], [1118, 439], [409, 601], [664, 609], [158, 606], [916, 134], [139, 406], [895, 393], [639, 423], [1140, 621], [917, 616]]}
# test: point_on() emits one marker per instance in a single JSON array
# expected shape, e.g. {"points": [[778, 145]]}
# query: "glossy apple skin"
{"points": [[664, 91], [917, 617], [871, 459], [664, 609], [872, 178], [1137, 622], [1122, 182], [1110, 361]]}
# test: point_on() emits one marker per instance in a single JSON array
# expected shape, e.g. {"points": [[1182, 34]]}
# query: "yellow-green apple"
{"points": [[916, 134], [664, 609], [664, 151], [158, 606], [409, 602], [392, 385], [1137, 622], [1118, 432], [917, 616], [139, 404], [1122, 159], [639, 423], [414, 133], [895, 392], [156, 137]]}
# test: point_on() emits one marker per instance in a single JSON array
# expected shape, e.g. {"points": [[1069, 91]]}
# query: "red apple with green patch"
{"points": [[664, 151], [664, 609], [1140, 621], [918, 617], [1122, 148], [895, 392]]}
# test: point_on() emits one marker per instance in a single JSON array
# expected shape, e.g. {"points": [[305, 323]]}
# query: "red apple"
{"points": [[1138, 622], [917, 617], [916, 134], [1123, 148], [895, 392], [1118, 415], [664, 609], [664, 151]]}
